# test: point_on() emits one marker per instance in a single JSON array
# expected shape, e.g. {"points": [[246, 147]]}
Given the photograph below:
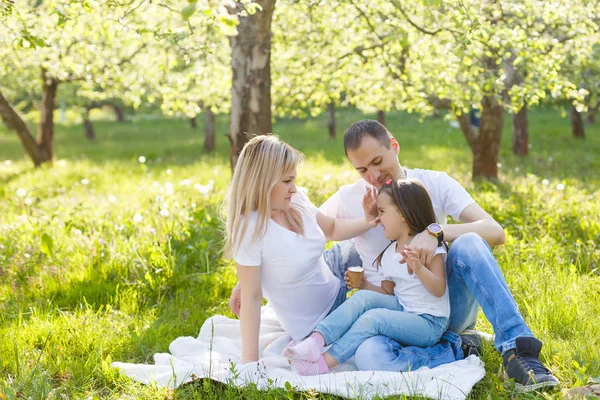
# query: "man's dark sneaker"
{"points": [[472, 341], [524, 366]]}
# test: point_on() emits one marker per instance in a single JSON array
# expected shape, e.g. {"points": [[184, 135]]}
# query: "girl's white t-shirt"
{"points": [[294, 276], [409, 290]]}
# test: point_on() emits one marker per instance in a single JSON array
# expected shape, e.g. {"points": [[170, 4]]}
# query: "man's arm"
{"points": [[474, 219]]}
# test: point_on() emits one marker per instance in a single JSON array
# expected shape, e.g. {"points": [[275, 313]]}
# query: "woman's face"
{"points": [[390, 218], [281, 195]]}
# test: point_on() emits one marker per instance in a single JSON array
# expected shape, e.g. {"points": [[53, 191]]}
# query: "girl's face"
{"points": [[390, 218], [281, 195]]}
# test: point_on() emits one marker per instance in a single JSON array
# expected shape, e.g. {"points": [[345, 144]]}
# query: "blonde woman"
{"points": [[277, 238]]}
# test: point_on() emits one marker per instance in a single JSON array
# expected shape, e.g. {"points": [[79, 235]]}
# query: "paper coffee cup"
{"points": [[356, 275]]}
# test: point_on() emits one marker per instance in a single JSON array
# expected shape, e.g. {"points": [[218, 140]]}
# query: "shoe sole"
{"points": [[519, 388]]}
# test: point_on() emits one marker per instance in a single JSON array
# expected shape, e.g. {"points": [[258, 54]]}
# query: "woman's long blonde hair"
{"points": [[263, 162]]}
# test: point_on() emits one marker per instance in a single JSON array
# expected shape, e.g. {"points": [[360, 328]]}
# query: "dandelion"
{"points": [[159, 199], [326, 177], [517, 169], [62, 163], [142, 160], [155, 184], [560, 186], [137, 218], [169, 172], [28, 201], [499, 165], [8, 163], [545, 182], [85, 181], [112, 199], [185, 182], [550, 159], [202, 189], [21, 192], [164, 212]]}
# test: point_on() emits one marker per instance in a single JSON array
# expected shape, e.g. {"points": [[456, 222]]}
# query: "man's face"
{"points": [[375, 162]]}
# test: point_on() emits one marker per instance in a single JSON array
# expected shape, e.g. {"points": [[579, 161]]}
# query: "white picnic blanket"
{"points": [[216, 352]]}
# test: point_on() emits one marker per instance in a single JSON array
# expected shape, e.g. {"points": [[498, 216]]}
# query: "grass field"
{"points": [[104, 258]]}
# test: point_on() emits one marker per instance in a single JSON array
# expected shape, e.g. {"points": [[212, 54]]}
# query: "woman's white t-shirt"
{"points": [[294, 276], [409, 290]]}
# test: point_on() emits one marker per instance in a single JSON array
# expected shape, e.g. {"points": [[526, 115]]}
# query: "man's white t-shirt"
{"points": [[294, 276], [447, 195], [409, 289]]}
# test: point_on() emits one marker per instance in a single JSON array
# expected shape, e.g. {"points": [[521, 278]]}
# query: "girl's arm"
{"points": [[251, 299], [387, 287], [343, 229], [432, 276]]}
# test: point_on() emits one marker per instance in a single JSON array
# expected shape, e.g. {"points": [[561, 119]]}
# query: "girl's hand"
{"points": [[412, 260], [349, 283], [369, 203]]}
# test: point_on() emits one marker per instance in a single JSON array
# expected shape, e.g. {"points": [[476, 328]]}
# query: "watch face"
{"points": [[435, 228]]}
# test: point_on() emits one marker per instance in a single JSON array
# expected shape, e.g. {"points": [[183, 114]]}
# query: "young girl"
{"points": [[277, 238], [412, 304]]}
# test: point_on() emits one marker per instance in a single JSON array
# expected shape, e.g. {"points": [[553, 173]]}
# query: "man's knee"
{"points": [[372, 353], [466, 245]]}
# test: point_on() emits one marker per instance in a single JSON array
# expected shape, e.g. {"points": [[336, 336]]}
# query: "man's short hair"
{"points": [[368, 127]]}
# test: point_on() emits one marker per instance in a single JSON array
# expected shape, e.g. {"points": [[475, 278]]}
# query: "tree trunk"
{"points": [[119, 113], [520, 132], [46, 127], [577, 123], [209, 130], [87, 124], [487, 146], [251, 83], [193, 123], [381, 117], [331, 119], [591, 118], [14, 122]]}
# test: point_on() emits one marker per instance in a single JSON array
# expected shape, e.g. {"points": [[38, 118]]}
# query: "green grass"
{"points": [[82, 284]]}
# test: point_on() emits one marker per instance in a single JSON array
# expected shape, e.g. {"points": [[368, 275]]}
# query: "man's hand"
{"points": [[235, 300], [424, 244]]}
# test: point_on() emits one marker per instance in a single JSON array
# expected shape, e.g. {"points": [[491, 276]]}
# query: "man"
{"points": [[472, 273]]}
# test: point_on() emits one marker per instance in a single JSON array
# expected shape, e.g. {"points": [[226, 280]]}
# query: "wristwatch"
{"points": [[436, 230]]}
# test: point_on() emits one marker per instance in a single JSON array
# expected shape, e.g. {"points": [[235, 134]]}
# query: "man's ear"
{"points": [[395, 145]]}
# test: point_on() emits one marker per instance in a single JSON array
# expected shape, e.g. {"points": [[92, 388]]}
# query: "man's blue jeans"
{"points": [[367, 314], [474, 278]]}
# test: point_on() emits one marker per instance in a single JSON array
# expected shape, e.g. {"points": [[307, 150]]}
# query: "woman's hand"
{"points": [[369, 203]]}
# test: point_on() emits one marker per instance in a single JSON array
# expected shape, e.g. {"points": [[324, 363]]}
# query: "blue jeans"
{"points": [[382, 353], [474, 279], [339, 258], [367, 314]]}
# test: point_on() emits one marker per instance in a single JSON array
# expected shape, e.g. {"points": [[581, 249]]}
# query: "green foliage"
{"points": [[105, 258]]}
